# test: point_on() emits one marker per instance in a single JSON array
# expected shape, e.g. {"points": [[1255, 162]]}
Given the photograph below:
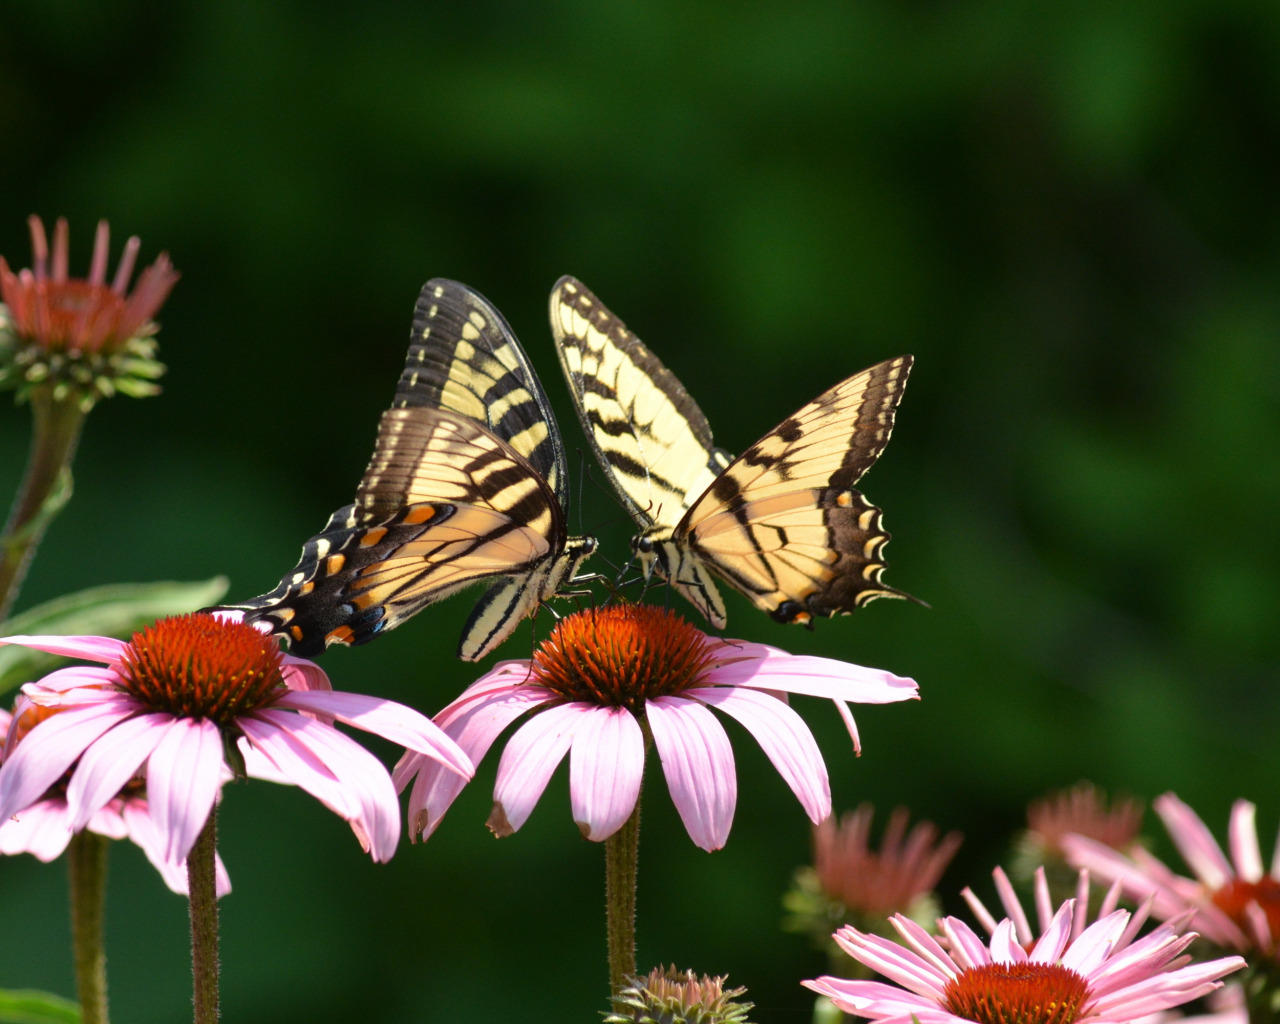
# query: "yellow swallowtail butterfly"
{"points": [[467, 483], [781, 523]]}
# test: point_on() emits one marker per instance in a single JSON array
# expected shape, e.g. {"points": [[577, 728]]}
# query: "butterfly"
{"points": [[781, 523], [467, 483]]}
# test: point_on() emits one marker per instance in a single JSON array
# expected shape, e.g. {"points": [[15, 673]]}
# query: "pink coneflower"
{"points": [[1236, 902], [44, 828], [82, 334], [877, 883], [1083, 810], [1097, 976], [191, 698], [609, 678]]}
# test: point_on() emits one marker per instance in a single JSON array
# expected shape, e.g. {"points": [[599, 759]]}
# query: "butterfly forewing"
{"points": [[644, 427], [464, 358]]}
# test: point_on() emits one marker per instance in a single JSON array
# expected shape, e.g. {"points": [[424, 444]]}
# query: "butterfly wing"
{"points": [[783, 523], [444, 503], [464, 358], [648, 434]]}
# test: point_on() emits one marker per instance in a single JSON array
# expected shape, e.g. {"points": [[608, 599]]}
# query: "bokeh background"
{"points": [[1068, 213]]}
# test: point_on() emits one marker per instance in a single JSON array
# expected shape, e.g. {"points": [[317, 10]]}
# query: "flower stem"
{"points": [[621, 852], [202, 885], [87, 866], [45, 488]]}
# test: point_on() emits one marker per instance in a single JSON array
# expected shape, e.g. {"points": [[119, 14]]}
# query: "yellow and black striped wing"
{"points": [[783, 523], [648, 434], [443, 504], [463, 357]]}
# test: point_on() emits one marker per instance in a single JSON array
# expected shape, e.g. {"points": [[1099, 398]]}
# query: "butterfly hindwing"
{"points": [[443, 504], [782, 523]]}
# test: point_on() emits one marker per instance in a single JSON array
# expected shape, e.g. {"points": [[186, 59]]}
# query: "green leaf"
{"points": [[118, 610], [27, 1006]]}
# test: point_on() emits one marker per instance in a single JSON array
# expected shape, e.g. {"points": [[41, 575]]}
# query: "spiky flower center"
{"points": [[622, 655], [1026, 993], [1237, 896], [199, 666]]}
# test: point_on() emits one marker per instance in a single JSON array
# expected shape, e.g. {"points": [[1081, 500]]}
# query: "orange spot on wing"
{"points": [[420, 514], [373, 536], [334, 563], [341, 635]]}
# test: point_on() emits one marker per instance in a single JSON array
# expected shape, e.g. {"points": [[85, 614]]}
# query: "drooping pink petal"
{"points": [[296, 763], [474, 721], [783, 736], [48, 750], [108, 821], [87, 648], [336, 770], [386, 718], [1194, 841], [606, 766], [42, 830], [531, 755], [697, 760], [110, 762], [183, 776], [817, 677], [142, 831]]}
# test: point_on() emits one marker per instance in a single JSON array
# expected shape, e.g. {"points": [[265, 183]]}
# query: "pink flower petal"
{"points": [[531, 755], [1243, 840], [183, 776], [698, 763], [1049, 947], [142, 830], [335, 769], [87, 648], [474, 721], [606, 766], [47, 751], [301, 674], [784, 738], [42, 830], [385, 718], [817, 677], [107, 821], [110, 762], [1194, 841]]}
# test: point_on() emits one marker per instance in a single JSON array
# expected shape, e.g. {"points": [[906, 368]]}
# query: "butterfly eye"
{"points": [[643, 545]]}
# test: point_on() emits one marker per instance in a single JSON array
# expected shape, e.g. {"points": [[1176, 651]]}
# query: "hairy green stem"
{"points": [[202, 885], [621, 851], [87, 867], [45, 487]]}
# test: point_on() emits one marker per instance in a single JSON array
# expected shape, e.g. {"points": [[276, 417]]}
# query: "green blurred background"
{"points": [[1067, 212]]}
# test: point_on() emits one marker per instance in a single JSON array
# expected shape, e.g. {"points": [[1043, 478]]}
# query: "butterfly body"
{"points": [[467, 484], [782, 523]]}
